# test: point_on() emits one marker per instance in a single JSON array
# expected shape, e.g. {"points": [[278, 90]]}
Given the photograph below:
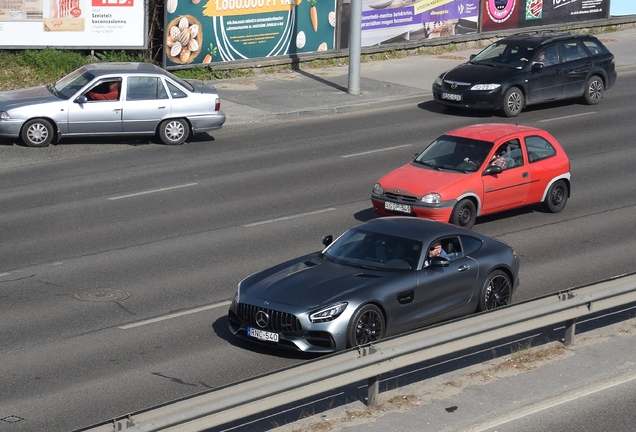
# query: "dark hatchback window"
{"points": [[503, 54], [539, 148], [594, 47], [571, 51]]}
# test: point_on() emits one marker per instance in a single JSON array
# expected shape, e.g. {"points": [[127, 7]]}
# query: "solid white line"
{"points": [[175, 315], [567, 117], [288, 217], [153, 191], [376, 151]]}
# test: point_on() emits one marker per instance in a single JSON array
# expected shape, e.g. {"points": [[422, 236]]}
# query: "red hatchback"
{"points": [[478, 170]]}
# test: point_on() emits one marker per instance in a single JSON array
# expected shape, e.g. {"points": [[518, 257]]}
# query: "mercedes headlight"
{"points": [[328, 313]]}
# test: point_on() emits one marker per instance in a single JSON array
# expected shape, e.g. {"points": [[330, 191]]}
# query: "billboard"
{"points": [[228, 30], [72, 24], [385, 21], [511, 14]]}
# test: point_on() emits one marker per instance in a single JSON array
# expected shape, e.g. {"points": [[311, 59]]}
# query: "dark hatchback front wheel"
{"points": [[366, 326], [513, 102], [496, 292]]}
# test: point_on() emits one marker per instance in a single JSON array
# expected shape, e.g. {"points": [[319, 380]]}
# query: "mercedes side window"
{"points": [[470, 245]]}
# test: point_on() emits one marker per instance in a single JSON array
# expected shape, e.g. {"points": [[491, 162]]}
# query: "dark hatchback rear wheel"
{"points": [[594, 90], [513, 102], [496, 292], [366, 326]]}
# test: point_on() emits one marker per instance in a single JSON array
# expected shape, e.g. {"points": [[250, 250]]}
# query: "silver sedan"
{"points": [[111, 99]]}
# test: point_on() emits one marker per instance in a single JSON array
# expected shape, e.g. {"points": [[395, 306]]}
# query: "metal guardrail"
{"points": [[233, 403]]}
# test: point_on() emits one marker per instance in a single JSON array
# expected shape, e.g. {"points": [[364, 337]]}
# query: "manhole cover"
{"points": [[101, 295]]}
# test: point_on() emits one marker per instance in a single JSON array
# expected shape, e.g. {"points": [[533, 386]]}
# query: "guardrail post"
{"points": [[373, 389], [373, 383], [570, 327]]}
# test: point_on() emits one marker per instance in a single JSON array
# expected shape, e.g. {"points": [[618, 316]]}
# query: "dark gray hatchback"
{"points": [[529, 68]]}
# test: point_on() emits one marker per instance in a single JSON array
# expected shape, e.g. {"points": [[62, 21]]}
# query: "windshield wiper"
{"points": [[430, 165]]}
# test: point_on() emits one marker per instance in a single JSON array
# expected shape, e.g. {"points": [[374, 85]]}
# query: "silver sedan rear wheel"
{"points": [[174, 131]]}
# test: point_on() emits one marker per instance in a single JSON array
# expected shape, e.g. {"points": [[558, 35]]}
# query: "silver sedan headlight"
{"points": [[432, 198], [4, 115], [485, 86], [377, 189], [328, 313]]}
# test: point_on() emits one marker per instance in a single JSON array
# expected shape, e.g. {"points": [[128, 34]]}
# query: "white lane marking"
{"points": [[153, 191], [566, 117], [566, 397], [376, 151], [175, 315], [289, 217]]}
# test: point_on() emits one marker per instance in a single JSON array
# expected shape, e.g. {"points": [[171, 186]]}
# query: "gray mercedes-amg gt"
{"points": [[378, 279]]}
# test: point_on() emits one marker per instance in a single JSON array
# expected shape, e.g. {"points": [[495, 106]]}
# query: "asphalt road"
{"points": [[118, 259]]}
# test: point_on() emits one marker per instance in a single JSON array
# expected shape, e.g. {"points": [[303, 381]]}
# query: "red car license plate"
{"points": [[402, 208], [262, 334]]}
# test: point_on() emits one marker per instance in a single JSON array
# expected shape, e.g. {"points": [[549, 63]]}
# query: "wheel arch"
{"points": [[566, 180], [56, 129], [474, 198], [185, 119]]}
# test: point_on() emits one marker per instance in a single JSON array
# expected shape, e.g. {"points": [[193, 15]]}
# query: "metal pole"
{"points": [[355, 43]]}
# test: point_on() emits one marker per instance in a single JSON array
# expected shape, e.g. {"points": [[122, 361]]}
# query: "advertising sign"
{"points": [[72, 24], [385, 21], [510, 14], [228, 30]]}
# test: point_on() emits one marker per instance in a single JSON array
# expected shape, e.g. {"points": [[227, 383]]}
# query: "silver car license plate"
{"points": [[452, 96], [403, 208], [262, 334]]}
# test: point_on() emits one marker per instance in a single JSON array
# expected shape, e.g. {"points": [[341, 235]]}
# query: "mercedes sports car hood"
{"points": [[308, 282], [420, 180], [27, 96], [477, 73]]}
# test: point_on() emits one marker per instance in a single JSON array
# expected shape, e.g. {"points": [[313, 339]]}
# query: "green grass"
{"points": [[26, 68]]}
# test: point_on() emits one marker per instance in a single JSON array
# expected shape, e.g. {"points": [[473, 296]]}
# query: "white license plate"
{"points": [[403, 208], [451, 96], [262, 334]]}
